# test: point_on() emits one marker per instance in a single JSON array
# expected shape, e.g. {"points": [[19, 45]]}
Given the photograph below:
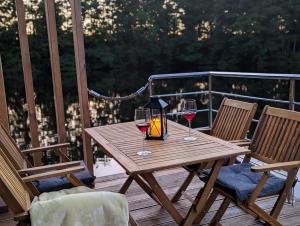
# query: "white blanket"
{"points": [[79, 206]]}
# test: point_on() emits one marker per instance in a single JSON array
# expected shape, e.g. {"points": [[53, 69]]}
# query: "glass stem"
{"points": [[143, 137], [189, 128]]}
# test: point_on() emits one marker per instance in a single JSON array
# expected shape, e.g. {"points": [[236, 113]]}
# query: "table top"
{"points": [[122, 141]]}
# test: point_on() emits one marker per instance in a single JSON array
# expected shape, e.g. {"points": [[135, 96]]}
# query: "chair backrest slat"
{"points": [[233, 119], [294, 146], [277, 136], [11, 150], [12, 188]]}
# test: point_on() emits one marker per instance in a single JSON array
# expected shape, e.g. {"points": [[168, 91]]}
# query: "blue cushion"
{"points": [[240, 181], [194, 167], [58, 183]]}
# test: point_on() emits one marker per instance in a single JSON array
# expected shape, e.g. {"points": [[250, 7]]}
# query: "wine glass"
{"points": [[189, 112], [142, 122]]}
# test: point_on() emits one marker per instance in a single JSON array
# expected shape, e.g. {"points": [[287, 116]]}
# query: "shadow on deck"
{"points": [[147, 212]]}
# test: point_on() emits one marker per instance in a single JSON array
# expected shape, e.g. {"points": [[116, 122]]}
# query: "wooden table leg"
{"points": [[147, 189], [183, 187], [160, 194], [203, 195], [212, 198], [126, 185], [123, 190]]}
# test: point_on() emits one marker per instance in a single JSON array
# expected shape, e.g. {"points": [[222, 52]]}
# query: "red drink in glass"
{"points": [[189, 112], [143, 126], [189, 115], [142, 122]]}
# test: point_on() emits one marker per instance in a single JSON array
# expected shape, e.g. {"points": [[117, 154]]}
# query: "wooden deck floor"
{"points": [[147, 212]]}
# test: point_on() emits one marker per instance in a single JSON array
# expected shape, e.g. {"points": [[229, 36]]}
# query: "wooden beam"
{"points": [[56, 74], [3, 120], [27, 71], [3, 105], [82, 81]]}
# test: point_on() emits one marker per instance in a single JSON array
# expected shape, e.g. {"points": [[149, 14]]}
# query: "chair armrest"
{"points": [[62, 172], [276, 166], [241, 143], [58, 166], [40, 149], [205, 130]]}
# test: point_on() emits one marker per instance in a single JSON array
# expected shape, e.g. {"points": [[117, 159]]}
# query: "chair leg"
{"points": [[213, 196], [264, 216], [220, 212], [183, 187], [278, 205], [284, 193]]}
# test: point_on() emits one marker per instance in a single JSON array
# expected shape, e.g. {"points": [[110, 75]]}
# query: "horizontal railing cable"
{"points": [[139, 92]]}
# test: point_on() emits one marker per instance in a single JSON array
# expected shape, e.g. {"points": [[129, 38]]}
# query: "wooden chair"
{"points": [[18, 196], [14, 191], [233, 120], [276, 142], [24, 167], [232, 123]]}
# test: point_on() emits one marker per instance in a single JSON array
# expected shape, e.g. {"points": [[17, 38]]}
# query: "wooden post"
{"points": [[81, 81], [27, 71], [3, 105], [3, 120], [56, 74]]}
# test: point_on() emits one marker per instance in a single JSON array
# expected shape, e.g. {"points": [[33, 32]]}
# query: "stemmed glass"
{"points": [[142, 122], [189, 112]]}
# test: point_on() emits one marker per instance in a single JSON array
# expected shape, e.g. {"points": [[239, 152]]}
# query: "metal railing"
{"points": [[211, 74]]}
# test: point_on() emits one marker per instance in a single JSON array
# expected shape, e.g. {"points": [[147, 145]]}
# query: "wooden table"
{"points": [[122, 142]]}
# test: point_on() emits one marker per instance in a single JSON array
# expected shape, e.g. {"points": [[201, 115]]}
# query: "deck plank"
{"points": [[148, 213]]}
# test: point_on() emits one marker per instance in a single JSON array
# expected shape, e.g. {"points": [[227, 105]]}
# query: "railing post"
{"points": [[292, 95], [150, 87], [210, 116]]}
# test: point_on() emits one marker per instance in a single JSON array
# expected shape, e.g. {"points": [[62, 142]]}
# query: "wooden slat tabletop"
{"points": [[122, 141]]}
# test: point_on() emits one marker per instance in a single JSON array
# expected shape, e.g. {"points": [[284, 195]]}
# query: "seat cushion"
{"points": [[58, 183], [240, 181], [195, 167]]}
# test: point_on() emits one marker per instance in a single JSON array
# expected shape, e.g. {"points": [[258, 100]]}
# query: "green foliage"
{"points": [[126, 41]]}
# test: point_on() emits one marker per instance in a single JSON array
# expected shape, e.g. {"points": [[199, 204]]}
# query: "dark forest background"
{"points": [[126, 41]]}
